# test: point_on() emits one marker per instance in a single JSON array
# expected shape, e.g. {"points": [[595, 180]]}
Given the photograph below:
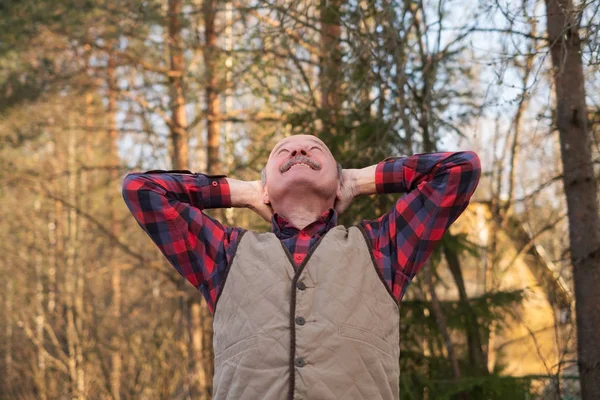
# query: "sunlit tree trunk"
{"points": [[75, 356], [580, 186], [227, 128], [200, 314], [199, 356], [8, 331], [179, 136], [213, 134], [330, 72], [40, 320], [56, 241], [116, 361]]}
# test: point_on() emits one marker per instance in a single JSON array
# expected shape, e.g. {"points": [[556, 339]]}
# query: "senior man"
{"points": [[309, 310]]}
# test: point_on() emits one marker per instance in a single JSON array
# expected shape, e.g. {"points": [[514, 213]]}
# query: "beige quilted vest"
{"points": [[326, 331]]}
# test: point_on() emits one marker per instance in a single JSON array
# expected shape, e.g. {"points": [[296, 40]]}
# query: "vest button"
{"points": [[300, 321], [299, 362], [300, 285]]}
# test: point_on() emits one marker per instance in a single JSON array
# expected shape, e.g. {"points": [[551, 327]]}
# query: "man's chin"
{"points": [[301, 185], [295, 178]]}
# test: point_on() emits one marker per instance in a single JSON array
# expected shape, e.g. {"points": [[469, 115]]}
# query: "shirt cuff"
{"points": [[389, 175], [216, 193]]}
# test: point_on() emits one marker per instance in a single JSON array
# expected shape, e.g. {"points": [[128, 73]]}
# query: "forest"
{"points": [[507, 307]]}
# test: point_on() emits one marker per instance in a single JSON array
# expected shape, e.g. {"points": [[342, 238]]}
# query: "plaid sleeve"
{"points": [[438, 188], [168, 206]]}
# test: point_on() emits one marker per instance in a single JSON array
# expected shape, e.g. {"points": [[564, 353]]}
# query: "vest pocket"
{"points": [[235, 349], [365, 336]]}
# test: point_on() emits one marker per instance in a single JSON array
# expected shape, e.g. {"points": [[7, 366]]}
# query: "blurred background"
{"points": [[91, 90]]}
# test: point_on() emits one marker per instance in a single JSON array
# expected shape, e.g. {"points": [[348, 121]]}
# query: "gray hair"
{"points": [[263, 174]]}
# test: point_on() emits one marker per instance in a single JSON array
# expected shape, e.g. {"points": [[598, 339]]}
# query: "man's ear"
{"points": [[265, 198]]}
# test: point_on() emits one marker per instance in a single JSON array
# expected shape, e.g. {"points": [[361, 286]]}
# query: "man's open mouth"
{"points": [[301, 161]]}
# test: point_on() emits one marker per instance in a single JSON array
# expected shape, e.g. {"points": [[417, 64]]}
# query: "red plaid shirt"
{"points": [[168, 206]]}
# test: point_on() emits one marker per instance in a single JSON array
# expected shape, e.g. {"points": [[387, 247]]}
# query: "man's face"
{"points": [[301, 164]]}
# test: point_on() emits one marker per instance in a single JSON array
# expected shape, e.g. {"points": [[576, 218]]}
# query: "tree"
{"points": [[580, 185]]}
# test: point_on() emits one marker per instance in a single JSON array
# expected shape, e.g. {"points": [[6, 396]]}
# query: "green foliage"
{"points": [[491, 387]]}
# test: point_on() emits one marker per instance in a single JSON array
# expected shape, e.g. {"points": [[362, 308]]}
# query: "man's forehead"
{"points": [[297, 138]]}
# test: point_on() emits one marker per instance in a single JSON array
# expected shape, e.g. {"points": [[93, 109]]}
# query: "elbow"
{"points": [[128, 183], [472, 163], [475, 162], [131, 184], [474, 169]]}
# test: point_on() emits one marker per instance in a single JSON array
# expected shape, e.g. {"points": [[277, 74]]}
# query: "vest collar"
{"points": [[283, 229]]}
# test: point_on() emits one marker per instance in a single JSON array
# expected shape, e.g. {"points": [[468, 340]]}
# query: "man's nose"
{"points": [[298, 152]]}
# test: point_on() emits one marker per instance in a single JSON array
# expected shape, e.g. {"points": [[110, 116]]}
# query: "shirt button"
{"points": [[299, 362], [214, 183], [300, 321], [303, 234], [298, 257], [300, 285]]}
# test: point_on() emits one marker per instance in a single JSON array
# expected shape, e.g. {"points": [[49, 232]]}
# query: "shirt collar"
{"points": [[283, 229]]}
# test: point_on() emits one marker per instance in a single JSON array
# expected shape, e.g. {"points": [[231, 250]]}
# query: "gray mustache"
{"points": [[300, 160]]}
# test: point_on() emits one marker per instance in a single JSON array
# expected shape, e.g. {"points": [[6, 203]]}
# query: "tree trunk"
{"points": [[213, 134], [75, 359], [440, 319], [56, 240], [8, 332], [202, 334], [330, 73], [398, 49], [179, 136], [474, 347], [580, 187], [40, 320], [228, 145], [200, 357], [116, 361]]}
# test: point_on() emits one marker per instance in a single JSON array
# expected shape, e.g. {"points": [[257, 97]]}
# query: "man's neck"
{"points": [[302, 212]]}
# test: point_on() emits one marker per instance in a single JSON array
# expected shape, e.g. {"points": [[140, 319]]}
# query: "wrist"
{"points": [[364, 180], [255, 191]]}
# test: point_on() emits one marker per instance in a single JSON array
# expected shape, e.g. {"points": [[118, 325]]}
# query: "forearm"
{"points": [[243, 193], [363, 180]]}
